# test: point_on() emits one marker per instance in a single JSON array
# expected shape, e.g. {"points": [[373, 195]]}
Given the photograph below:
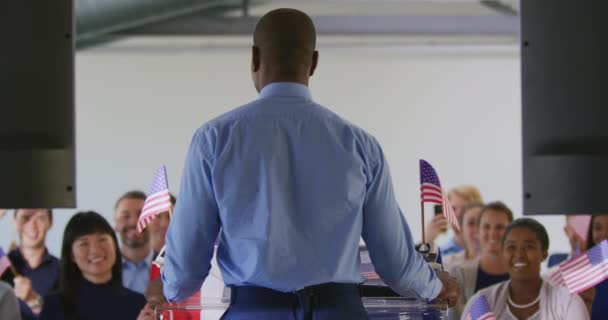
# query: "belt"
{"points": [[303, 300]]}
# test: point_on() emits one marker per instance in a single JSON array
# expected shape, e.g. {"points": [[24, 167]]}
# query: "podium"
{"points": [[379, 300], [193, 308], [382, 303], [378, 308]]}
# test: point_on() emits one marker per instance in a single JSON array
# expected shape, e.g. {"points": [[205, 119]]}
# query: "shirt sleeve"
{"points": [[576, 309], [193, 227], [9, 307], [388, 237]]}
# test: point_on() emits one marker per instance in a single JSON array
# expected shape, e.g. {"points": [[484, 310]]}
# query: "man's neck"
{"points": [[135, 255], [492, 264], [33, 256]]}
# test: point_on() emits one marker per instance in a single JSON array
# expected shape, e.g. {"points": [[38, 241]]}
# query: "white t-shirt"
{"points": [[556, 303]]}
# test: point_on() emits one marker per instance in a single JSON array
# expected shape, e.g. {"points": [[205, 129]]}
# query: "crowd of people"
{"points": [[492, 255], [94, 266], [498, 257]]}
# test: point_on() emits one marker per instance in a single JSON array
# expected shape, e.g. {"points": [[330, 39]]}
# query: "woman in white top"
{"points": [[526, 295]]}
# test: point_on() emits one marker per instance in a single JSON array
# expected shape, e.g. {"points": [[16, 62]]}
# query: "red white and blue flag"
{"points": [[480, 310], [368, 272], [585, 271], [432, 192], [158, 200]]}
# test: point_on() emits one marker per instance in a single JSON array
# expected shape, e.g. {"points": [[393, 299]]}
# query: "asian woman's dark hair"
{"points": [[70, 279]]}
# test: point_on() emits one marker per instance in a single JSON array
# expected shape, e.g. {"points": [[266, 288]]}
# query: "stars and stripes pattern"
{"points": [[585, 271], [431, 191], [480, 310], [556, 278], [158, 200], [368, 272]]}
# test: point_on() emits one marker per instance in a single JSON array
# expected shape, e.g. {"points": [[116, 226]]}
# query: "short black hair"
{"points": [[497, 206], [287, 37], [173, 199], [49, 211], [70, 277], [532, 225], [133, 194]]}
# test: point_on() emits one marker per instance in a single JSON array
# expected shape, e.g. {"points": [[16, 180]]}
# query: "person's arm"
{"points": [[388, 237], [193, 227]]}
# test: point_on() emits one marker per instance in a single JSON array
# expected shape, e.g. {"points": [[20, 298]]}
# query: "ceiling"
{"points": [[494, 21]]}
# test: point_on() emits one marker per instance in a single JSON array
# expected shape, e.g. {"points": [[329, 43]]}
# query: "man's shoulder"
{"points": [[53, 259], [226, 118], [256, 108], [15, 254]]}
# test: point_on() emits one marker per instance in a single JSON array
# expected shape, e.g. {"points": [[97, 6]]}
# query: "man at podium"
{"points": [[292, 187]]}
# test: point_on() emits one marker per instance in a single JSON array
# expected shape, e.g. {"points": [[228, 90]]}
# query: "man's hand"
{"points": [[154, 292], [438, 225], [451, 289], [147, 313], [23, 289]]}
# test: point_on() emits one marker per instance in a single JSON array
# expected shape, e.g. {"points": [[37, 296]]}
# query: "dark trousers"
{"points": [[330, 301]]}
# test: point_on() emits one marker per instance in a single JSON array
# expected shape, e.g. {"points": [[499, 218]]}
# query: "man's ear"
{"points": [[315, 61], [255, 59]]}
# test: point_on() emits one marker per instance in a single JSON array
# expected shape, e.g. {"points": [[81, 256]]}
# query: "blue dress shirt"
{"points": [[293, 187], [135, 276]]}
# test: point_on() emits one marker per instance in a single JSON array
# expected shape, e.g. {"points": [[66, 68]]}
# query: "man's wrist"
{"points": [[36, 302]]}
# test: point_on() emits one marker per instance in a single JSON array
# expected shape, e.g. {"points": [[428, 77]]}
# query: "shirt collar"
{"points": [[147, 262], [17, 257], [285, 89]]}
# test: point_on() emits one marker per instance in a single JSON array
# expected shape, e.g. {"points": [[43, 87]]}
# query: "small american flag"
{"points": [[158, 199], [431, 191], [5, 263], [556, 278], [587, 270], [368, 272], [480, 310]]}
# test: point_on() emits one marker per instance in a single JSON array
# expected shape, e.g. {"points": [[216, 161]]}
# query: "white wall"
{"points": [[139, 102]]}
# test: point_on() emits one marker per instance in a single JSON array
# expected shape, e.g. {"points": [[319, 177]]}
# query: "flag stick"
{"points": [[422, 218], [170, 211], [14, 271]]}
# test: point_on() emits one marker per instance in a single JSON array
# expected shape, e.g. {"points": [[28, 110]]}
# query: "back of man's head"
{"points": [[286, 39]]}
